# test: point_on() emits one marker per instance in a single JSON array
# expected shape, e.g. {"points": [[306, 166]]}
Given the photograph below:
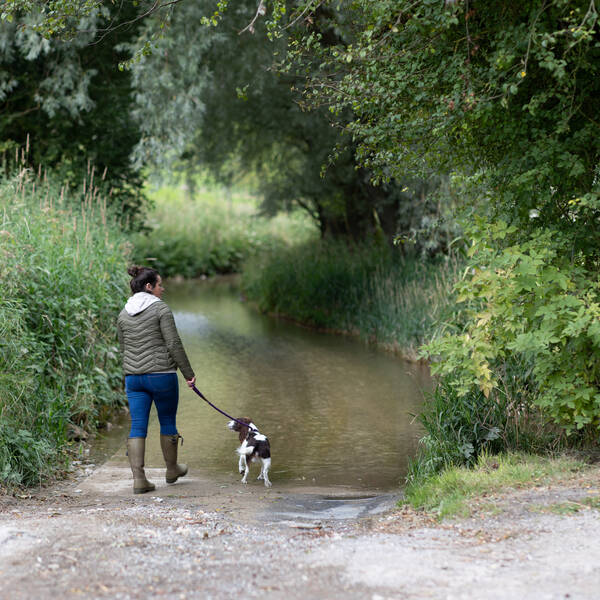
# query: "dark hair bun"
{"points": [[141, 276]]}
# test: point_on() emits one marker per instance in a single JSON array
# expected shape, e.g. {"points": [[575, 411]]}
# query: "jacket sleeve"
{"points": [[173, 343]]}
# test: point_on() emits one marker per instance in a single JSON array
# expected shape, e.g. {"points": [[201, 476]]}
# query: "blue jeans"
{"points": [[142, 390]]}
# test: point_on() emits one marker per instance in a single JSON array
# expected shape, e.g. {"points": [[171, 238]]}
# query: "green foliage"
{"points": [[537, 301], [63, 272], [366, 289], [503, 94], [217, 103], [212, 232], [68, 104], [460, 427], [448, 494], [510, 87], [50, 17]]}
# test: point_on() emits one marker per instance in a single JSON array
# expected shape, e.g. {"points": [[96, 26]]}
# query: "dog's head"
{"points": [[237, 424], [241, 429]]}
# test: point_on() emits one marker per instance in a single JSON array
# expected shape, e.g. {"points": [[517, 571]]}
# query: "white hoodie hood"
{"points": [[139, 302]]}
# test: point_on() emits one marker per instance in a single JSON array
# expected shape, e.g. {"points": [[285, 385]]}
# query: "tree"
{"points": [[219, 102], [170, 102], [505, 95], [72, 104], [507, 90]]}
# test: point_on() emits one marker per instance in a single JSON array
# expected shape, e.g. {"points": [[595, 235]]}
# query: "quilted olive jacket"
{"points": [[150, 343]]}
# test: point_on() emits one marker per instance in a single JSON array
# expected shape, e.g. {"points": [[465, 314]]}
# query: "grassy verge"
{"points": [[367, 290], [62, 267], [451, 492], [215, 232]]}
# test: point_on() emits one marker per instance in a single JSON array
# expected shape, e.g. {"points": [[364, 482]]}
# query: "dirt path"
{"points": [[91, 538]]}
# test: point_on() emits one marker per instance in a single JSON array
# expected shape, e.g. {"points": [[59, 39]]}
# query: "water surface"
{"points": [[336, 412]]}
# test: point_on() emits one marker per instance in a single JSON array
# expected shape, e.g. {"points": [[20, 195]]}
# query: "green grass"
{"points": [[213, 233], [63, 273], [447, 494], [366, 290]]}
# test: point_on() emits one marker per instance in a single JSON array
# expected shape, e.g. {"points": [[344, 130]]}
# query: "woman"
{"points": [[151, 352]]}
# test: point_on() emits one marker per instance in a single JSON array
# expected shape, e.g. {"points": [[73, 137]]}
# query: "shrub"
{"points": [[517, 359], [460, 427], [537, 302], [63, 273]]}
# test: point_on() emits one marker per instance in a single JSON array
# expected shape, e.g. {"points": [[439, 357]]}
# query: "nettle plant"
{"points": [[536, 300]]}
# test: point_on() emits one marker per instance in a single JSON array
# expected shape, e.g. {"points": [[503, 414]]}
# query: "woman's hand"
{"points": [[191, 382]]}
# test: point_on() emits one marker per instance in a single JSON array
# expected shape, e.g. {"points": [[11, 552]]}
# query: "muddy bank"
{"points": [[90, 538]]}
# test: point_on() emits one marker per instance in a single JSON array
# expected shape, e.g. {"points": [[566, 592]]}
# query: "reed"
{"points": [[63, 273], [366, 290]]}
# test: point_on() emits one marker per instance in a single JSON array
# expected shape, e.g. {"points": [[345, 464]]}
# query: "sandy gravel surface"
{"points": [[91, 538]]}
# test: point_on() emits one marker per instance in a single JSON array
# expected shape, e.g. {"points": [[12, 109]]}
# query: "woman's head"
{"points": [[145, 279]]}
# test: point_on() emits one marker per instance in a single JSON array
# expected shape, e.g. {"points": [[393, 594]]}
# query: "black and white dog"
{"points": [[254, 447]]}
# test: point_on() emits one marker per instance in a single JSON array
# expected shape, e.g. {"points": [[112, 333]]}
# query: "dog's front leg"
{"points": [[242, 464], [246, 470]]}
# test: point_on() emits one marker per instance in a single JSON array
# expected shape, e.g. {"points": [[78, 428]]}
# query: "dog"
{"points": [[254, 447]]}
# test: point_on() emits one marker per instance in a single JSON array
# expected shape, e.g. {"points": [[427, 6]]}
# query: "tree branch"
{"points": [[260, 11]]}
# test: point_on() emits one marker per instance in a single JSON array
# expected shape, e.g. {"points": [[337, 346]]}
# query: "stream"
{"points": [[338, 414]]}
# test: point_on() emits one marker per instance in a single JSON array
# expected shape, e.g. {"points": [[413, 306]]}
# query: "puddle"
{"points": [[323, 508]]}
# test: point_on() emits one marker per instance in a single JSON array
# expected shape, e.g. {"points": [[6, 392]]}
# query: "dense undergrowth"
{"points": [[516, 363], [461, 428], [63, 273], [212, 233], [369, 290]]}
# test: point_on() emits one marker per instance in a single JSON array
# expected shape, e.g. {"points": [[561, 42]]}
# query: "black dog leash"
{"points": [[221, 411]]}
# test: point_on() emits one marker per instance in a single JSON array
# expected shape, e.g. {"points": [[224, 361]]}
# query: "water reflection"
{"points": [[336, 413]]}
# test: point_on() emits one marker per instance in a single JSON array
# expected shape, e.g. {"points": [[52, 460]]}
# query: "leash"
{"points": [[221, 411]]}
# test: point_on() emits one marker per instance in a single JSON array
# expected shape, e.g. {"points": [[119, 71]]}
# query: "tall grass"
{"points": [[367, 290], [213, 232], [63, 274]]}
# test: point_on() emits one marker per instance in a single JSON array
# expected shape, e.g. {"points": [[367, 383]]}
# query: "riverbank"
{"points": [[91, 538], [368, 291]]}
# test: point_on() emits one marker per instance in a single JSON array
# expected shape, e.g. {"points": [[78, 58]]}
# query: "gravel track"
{"points": [[91, 538]]}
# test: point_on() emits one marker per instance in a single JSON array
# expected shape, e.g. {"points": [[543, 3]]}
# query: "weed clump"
{"points": [[63, 273]]}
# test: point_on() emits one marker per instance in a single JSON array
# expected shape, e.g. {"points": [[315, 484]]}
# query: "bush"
{"points": [[63, 273], [461, 427], [518, 358], [535, 301]]}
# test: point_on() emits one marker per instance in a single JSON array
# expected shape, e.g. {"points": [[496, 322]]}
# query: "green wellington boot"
{"points": [[168, 444], [136, 448]]}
